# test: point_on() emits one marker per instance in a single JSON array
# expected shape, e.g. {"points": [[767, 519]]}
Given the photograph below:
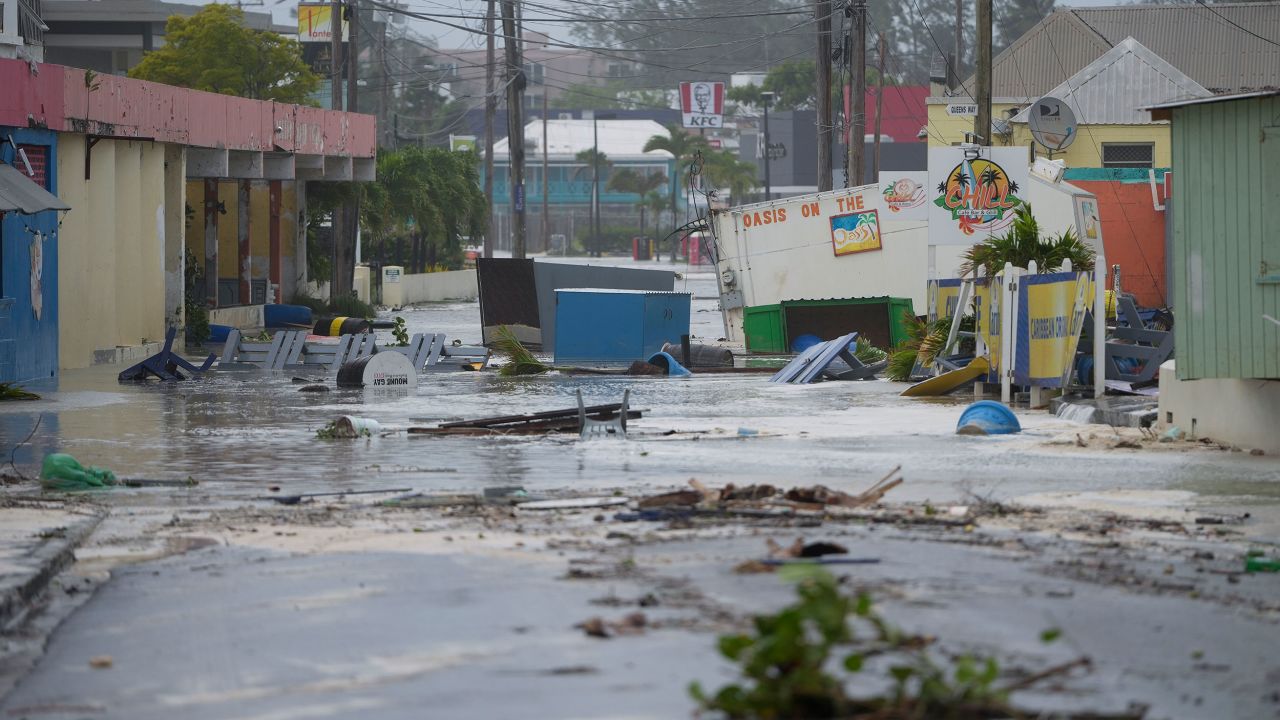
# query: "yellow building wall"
{"points": [[111, 247], [1085, 152], [259, 225]]}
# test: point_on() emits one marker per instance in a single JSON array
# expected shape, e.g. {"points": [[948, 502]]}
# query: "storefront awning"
{"points": [[19, 194]]}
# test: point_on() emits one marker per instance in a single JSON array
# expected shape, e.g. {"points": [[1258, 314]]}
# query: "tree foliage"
{"points": [[794, 85], [684, 147], [422, 206], [1013, 18], [745, 36], [215, 51]]}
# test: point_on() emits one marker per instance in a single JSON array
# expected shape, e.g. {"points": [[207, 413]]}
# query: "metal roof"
{"points": [[135, 11], [19, 194], [619, 139], [1164, 111], [1109, 90], [1225, 47], [1212, 99]]}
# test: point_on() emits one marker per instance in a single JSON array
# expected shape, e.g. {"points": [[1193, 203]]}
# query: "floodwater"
{"points": [[238, 432]]}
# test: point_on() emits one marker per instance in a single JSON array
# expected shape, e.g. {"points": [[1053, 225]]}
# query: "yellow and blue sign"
{"points": [[1051, 309]]}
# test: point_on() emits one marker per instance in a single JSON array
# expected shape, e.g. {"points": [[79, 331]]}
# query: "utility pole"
{"points": [[957, 60], [346, 267], [335, 54], [337, 220], [858, 74], [594, 251], [822, 11], [768, 181], [875, 156], [384, 94], [982, 53], [546, 208], [490, 109], [515, 125], [353, 56]]}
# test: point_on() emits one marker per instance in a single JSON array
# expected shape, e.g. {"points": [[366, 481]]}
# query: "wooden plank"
{"points": [[232, 347], [559, 424], [340, 354], [548, 415]]}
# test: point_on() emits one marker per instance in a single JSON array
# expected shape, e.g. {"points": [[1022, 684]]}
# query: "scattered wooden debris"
{"points": [[632, 624], [551, 421]]}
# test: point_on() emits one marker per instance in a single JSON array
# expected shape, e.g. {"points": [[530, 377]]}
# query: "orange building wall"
{"points": [[1133, 234]]}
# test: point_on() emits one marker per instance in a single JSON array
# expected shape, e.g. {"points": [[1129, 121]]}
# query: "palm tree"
{"points": [[991, 176], [628, 180], [683, 147], [1024, 243], [724, 170]]}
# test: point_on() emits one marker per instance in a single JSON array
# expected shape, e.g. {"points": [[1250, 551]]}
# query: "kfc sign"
{"points": [[702, 104]]}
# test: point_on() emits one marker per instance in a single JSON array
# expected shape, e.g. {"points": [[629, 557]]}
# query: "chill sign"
{"points": [[702, 104]]}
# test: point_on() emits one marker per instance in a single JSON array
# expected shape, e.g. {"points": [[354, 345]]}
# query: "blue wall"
{"points": [[569, 185], [35, 341]]}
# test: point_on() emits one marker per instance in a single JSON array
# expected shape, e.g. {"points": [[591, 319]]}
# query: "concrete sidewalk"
{"points": [[38, 539]]}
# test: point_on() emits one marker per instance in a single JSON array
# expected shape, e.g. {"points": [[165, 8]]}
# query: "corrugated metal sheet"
{"points": [[1217, 46], [1109, 90], [19, 194], [1226, 253]]}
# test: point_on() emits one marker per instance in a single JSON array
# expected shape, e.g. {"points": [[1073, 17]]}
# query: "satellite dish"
{"points": [[1053, 125]]}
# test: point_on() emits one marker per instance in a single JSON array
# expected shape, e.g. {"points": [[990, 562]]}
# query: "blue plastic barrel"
{"points": [[803, 342], [987, 417], [278, 316]]}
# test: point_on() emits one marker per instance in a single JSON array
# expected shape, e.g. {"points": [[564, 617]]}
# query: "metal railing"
{"points": [[22, 18]]}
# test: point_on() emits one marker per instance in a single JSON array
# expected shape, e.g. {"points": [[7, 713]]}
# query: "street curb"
{"points": [[51, 557]]}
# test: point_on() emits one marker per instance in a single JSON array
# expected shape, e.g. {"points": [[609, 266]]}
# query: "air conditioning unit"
{"points": [[566, 116]]}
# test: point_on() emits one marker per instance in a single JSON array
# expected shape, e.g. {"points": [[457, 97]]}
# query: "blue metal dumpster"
{"points": [[597, 325]]}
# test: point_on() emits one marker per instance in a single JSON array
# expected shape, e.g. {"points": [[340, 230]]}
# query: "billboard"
{"points": [[973, 192], [315, 23], [702, 104]]}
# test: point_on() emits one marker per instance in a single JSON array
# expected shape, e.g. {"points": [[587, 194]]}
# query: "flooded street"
{"points": [[212, 602], [236, 432]]}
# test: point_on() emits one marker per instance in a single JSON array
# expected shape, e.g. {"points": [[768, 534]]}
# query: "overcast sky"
{"points": [[446, 37]]}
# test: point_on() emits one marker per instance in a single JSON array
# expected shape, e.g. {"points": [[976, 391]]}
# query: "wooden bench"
{"points": [[289, 350], [284, 348], [331, 356]]}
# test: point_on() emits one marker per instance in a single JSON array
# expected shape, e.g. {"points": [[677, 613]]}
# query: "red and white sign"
{"points": [[702, 104]]}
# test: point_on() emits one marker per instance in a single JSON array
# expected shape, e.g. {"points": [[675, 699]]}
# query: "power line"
{"points": [[1083, 123]]}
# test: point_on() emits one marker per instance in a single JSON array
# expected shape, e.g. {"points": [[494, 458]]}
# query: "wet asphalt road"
{"points": [[236, 632]]}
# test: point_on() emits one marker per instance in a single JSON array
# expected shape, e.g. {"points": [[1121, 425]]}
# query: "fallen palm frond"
{"points": [[924, 342], [10, 391], [519, 360], [867, 353]]}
